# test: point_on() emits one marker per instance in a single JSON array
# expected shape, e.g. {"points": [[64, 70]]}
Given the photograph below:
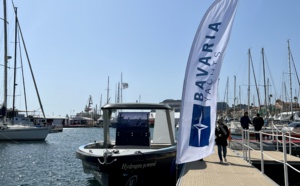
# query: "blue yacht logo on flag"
{"points": [[200, 129]]}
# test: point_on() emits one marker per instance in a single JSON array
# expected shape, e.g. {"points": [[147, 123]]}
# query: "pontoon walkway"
{"points": [[236, 171]]}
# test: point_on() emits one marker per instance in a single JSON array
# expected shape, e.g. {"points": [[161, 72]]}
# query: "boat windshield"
{"points": [[133, 119]]}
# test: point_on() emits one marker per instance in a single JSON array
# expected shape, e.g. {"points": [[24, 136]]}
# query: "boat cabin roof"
{"points": [[136, 106]]}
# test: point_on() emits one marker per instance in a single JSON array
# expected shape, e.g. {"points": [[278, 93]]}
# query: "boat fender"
{"points": [[116, 151], [229, 135]]}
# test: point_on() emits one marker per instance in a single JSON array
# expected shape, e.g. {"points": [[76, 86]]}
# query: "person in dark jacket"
{"points": [[245, 121], [258, 123], [222, 134]]}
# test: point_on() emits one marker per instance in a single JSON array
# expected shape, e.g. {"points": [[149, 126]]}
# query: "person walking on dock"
{"points": [[245, 121], [222, 134], [258, 123]]}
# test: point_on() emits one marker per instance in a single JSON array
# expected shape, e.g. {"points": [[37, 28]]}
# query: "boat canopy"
{"points": [[136, 106]]}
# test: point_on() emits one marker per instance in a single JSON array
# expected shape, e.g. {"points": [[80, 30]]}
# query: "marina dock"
{"points": [[244, 165], [236, 171]]}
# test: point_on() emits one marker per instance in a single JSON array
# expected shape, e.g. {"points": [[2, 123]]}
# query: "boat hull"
{"points": [[155, 167], [24, 134]]}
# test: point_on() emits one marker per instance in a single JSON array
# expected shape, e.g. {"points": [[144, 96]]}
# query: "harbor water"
{"points": [[51, 162]]}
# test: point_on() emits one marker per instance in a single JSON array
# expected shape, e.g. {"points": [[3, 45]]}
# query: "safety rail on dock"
{"points": [[276, 133]]}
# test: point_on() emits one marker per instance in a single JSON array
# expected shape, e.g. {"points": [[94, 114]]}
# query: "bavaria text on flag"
{"points": [[196, 136]]}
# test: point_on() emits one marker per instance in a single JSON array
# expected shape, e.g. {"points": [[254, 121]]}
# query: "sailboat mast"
{"points": [[107, 98], [121, 88], [240, 100], [269, 96], [257, 90], [15, 63], [117, 93], [248, 80], [4, 106], [264, 74], [227, 90], [226, 93], [295, 71], [31, 71], [290, 73], [285, 92], [100, 104], [234, 98]]}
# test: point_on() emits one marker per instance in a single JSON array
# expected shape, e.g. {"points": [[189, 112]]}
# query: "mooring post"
{"points": [[248, 143], [243, 143], [290, 143], [286, 178], [261, 153]]}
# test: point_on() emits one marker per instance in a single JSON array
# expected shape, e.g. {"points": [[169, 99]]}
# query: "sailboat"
{"points": [[235, 126], [15, 127], [289, 113]]}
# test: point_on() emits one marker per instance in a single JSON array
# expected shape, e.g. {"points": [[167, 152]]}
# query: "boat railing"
{"points": [[280, 137]]}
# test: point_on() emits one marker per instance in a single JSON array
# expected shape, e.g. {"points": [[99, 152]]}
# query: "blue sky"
{"points": [[74, 46]]}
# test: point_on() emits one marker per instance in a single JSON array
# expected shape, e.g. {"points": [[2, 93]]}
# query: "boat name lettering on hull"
{"points": [[90, 166], [137, 166]]}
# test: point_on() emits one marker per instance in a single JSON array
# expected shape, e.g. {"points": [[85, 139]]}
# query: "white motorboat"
{"points": [[135, 156]]}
